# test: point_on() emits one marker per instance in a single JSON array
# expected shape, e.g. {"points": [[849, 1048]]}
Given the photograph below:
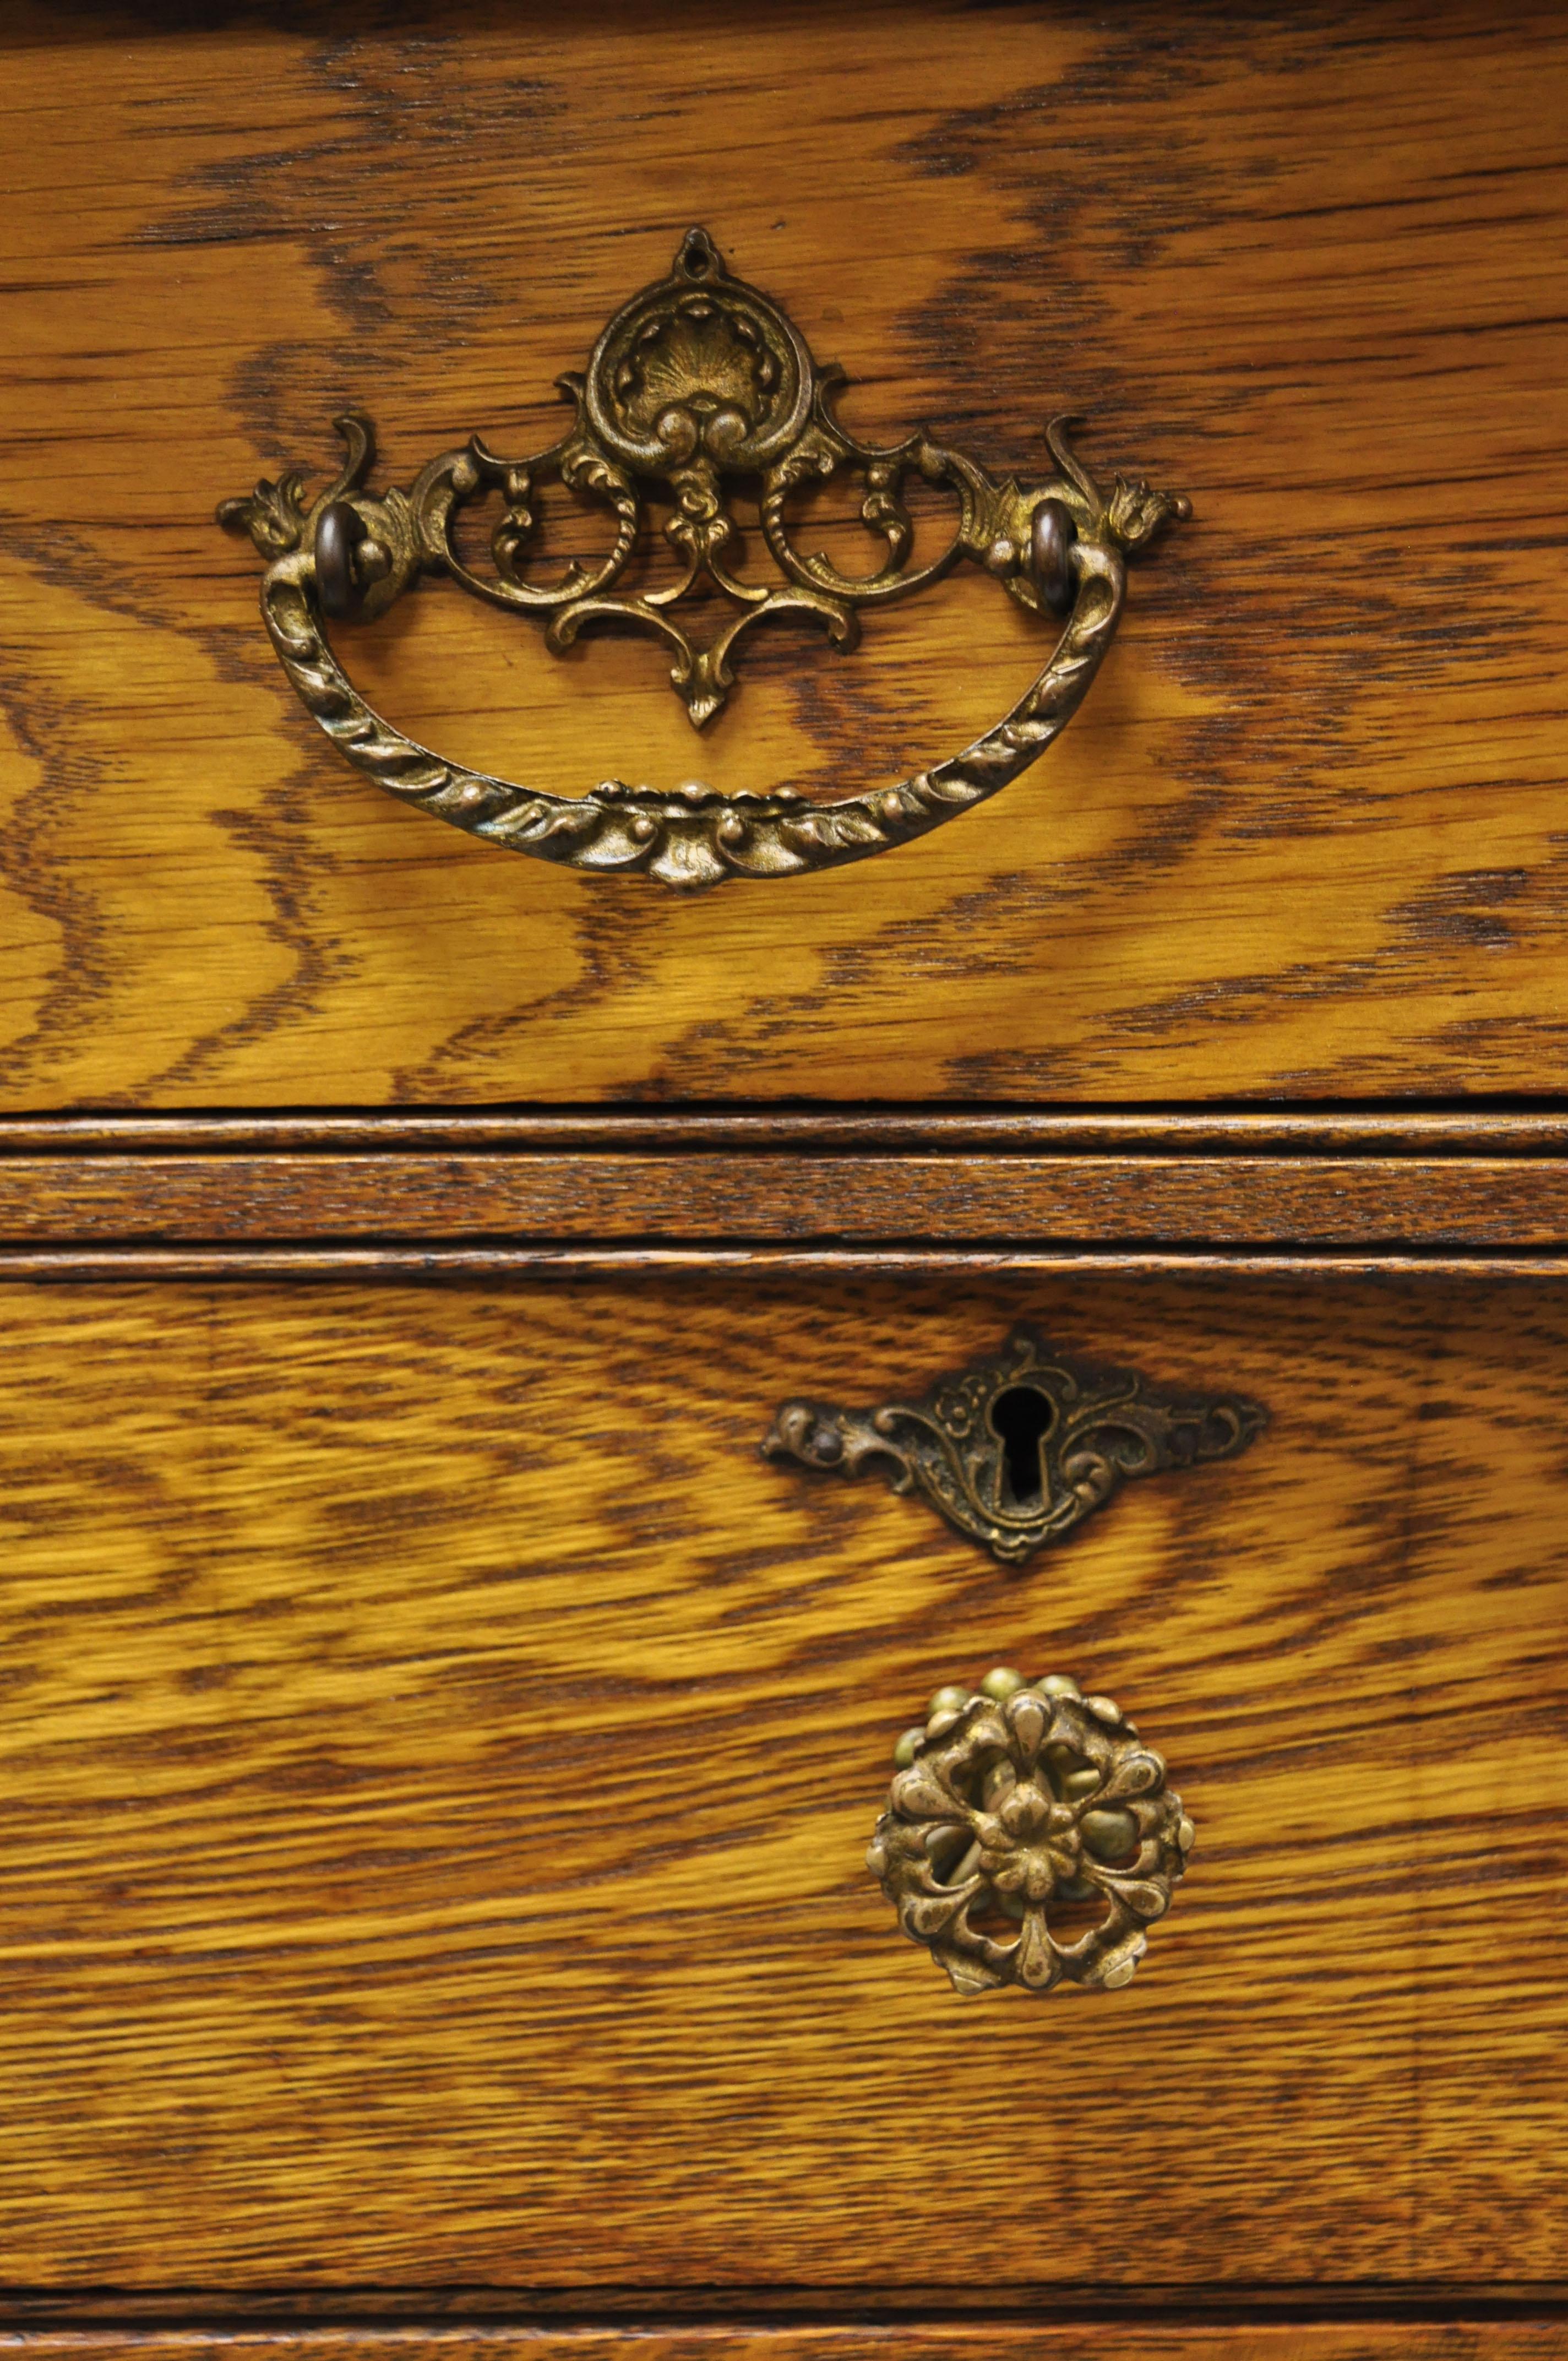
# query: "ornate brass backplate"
{"points": [[1014, 1806], [698, 385], [1020, 1447]]}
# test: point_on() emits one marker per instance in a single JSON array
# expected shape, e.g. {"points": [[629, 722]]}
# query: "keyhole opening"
{"points": [[1021, 1418]]}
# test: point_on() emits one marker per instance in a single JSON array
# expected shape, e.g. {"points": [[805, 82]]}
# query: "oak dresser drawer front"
{"points": [[1304, 834], [440, 1753]]}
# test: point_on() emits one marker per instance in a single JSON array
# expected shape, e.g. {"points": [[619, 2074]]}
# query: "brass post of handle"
{"points": [[698, 381]]}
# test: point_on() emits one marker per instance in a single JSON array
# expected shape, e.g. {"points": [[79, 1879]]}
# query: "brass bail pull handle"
{"points": [[1029, 1837], [697, 381]]}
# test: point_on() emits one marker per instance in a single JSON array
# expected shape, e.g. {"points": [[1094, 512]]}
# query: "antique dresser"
{"points": [[784, 1181]]}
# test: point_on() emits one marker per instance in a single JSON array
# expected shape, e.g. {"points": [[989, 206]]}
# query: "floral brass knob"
{"points": [[1014, 1809]]}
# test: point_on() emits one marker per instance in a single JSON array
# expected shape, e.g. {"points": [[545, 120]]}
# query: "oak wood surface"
{"points": [[439, 1753], [1372, 1201], [1307, 262]]}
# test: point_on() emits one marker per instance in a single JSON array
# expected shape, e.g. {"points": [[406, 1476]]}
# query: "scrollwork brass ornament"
{"points": [[695, 382], [1020, 1447], [1015, 1806]]}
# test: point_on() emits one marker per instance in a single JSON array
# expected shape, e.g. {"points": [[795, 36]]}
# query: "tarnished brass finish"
{"points": [[1019, 1448], [697, 382], [1013, 1806]]}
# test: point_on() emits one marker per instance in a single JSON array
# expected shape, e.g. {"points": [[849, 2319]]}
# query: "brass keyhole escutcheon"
{"points": [[1018, 1448]]}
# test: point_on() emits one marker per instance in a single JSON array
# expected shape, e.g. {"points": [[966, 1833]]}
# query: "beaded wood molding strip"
{"points": [[697, 381]]}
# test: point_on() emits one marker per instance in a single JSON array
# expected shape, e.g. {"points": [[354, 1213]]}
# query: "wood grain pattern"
{"points": [[439, 1753], [1308, 262], [1149, 2338], [1519, 1201]]}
